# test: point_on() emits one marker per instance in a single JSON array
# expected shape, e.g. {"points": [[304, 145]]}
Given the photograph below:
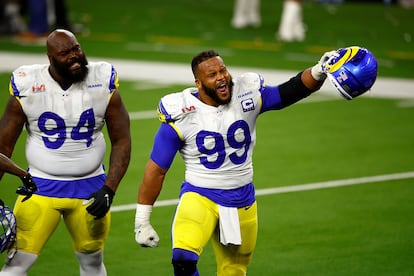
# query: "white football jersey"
{"points": [[218, 141], [64, 126]]}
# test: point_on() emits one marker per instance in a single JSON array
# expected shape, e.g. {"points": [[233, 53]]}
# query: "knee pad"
{"points": [[185, 268]]}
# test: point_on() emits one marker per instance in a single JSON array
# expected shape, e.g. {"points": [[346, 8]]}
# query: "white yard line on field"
{"points": [[177, 73], [295, 188]]}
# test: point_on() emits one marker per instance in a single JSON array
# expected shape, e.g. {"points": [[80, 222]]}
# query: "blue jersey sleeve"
{"points": [[166, 144], [271, 99]]}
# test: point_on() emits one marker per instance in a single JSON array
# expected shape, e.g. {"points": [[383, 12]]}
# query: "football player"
{"points": [[64, 106], [213, 126]]}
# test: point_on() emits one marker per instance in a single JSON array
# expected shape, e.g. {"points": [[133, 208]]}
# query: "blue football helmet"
{"points": [[352, 71], [8, 228]]}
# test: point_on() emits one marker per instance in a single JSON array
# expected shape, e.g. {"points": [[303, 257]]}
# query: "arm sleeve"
{"points": [[293, 90], [278, 97], [166, 144]]}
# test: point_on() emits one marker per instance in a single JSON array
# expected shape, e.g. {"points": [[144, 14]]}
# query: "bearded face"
{"points": [[74, 71], [214, 94]]}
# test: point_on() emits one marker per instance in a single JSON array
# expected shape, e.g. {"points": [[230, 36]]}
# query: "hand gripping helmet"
{"points": [[352, 71], [8, 227]]}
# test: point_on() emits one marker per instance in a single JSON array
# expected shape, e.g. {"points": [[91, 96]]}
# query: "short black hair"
{"points": [[202, 57]]}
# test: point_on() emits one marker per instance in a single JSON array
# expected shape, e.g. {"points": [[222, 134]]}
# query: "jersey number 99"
{"points": [[218, 148]]}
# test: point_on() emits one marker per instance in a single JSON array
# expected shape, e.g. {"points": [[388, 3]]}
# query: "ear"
{"points": [[197, 83]]}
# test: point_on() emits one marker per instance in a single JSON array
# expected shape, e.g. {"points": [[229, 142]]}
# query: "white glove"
{"points": [[145, 234], [317, 71]]}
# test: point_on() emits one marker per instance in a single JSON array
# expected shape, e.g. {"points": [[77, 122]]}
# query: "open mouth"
{"points": [[222, 88], [75, 66]]}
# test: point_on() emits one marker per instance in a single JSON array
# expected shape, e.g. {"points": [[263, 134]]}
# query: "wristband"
{"points": [[142, 215]]}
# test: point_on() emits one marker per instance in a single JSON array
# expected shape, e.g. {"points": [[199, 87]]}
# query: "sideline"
{"points": [[178, 73], [295, 188]]}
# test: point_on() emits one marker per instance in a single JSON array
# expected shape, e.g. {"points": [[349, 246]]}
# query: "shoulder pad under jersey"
{"points": [[250, 81], [24, 79], [106, 72], [170, 107]]}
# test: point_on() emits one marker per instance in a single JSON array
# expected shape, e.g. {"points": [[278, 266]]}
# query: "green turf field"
{"points": [[364, 229]]}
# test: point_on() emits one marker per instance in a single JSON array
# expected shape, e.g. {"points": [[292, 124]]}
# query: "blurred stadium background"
{"points": [[348, 229]]}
